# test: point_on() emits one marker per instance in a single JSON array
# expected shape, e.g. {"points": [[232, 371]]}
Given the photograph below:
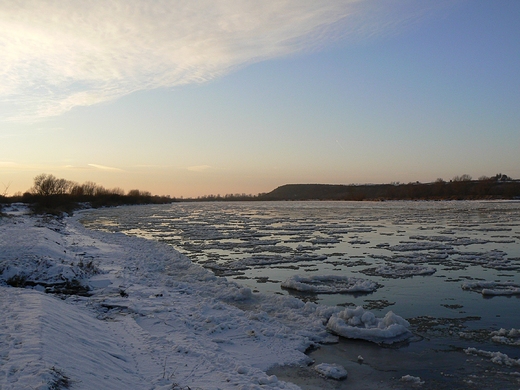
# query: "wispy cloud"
{"points": [[58, 55], [199, 168], [104, 168], [7, 164]]}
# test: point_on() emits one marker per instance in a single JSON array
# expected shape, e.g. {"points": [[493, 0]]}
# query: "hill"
{"points": [[467, 189]]}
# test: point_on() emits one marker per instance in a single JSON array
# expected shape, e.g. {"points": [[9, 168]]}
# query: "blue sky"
{"points": [[217, 97]]}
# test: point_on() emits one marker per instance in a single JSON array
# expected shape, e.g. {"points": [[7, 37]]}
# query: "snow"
{"points": [[492, 259], [149, 318], [324, 240], [495, 357], [359, 323], [42, 332], [412, 380], [401, 270], [263, 260], [457, 241], [418, 246], [329, 284], [507, 337], [332, 371], [492, 288]]}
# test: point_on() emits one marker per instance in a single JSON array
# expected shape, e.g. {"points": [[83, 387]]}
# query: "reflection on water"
{"points": [[261, 244]]}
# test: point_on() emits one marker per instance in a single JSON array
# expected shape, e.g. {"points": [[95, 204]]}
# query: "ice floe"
{"points": [[495, 357], [359, 323], [324, 240], [507, 337], [232, 267], [457, 241], [400, 270], [329, 284], [492, 288], [332, 371], [418, 246], [412, 380]]}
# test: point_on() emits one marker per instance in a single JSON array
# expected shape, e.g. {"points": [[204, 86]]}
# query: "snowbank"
{"points": [[361, 324], [329, 284]]}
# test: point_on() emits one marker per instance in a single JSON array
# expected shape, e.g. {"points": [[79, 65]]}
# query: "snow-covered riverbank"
{"points": [[151, 318]]}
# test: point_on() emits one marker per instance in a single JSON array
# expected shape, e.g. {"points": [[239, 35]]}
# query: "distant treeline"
{"points": [[54, 196], [459, 188]]}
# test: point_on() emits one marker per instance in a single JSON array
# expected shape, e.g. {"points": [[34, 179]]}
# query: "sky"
{"points": [[191, 98]]}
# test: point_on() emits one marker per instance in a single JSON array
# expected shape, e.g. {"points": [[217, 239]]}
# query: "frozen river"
{"points": [[449, 268]]}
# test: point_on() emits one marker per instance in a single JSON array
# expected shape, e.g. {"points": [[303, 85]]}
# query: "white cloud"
{"points": [[104, 168], [56, 55]]}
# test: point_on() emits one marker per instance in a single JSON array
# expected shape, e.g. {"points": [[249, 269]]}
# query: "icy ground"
{"points": [[151, 319]]}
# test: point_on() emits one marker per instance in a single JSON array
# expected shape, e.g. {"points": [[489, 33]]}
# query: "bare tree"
{"points": [[46, 185], [89, 188], [6, 189], [134, 193], [100, 191], [117, 191]]}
